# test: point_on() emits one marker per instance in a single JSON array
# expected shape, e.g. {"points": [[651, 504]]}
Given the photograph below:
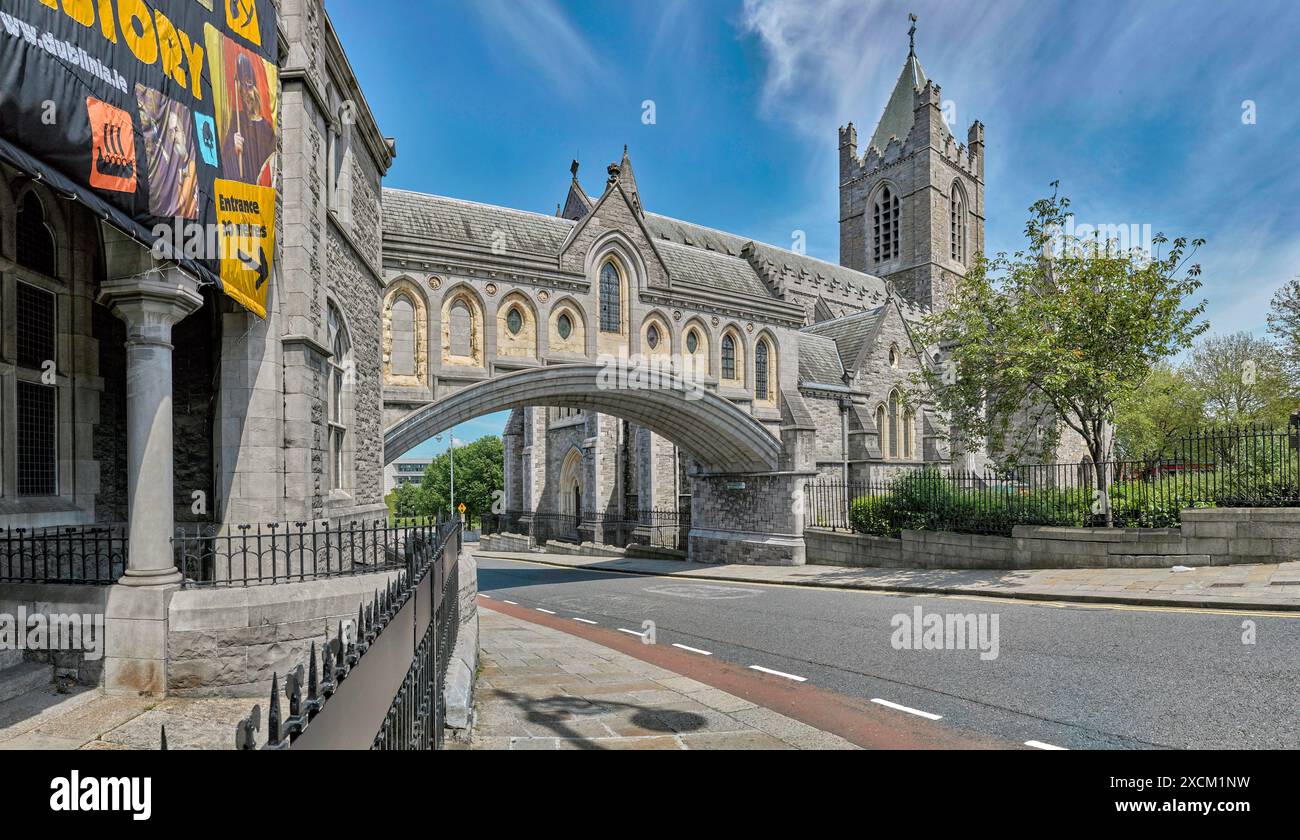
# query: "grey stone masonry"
{"points": [[1207, 537]]}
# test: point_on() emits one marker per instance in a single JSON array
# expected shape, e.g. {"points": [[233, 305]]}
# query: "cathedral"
{"points": [[805, 347]]}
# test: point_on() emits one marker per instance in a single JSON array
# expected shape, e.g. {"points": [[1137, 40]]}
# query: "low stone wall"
{"points": [[227, 642], [505, 542], [51, 599], [522, 542], [458, 691], [1208, 537]]}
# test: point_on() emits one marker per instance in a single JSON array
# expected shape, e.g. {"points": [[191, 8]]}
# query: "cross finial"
{"points": [[911, 36]]}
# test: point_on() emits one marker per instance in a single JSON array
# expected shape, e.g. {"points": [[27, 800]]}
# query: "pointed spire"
{"points": [[897, 119]]}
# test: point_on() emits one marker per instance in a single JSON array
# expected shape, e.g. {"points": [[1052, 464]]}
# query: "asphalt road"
{"points": [[1067, 676]]}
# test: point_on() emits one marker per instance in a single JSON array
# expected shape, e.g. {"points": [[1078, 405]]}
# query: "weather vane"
{"points": [[911, 35]]}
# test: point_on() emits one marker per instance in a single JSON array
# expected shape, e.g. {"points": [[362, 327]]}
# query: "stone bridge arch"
{"points": [[745, 508], [717, 434]]}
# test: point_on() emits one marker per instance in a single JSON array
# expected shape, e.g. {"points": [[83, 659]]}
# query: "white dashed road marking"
{"points": [[548, 612], [631, 632], [585, 620], [778, 673], [1039, 745], [516, 603], [908, 709], [692, 650]]}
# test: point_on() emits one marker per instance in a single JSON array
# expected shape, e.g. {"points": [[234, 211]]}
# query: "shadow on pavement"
{"points": [[557, 712]]}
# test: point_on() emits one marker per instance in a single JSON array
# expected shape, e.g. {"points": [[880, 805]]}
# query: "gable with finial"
{"points": [[616, 217]]}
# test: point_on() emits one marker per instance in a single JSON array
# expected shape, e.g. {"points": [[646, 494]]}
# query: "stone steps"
{"points": [[24, 677]]}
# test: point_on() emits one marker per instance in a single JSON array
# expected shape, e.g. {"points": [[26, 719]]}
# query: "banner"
{"points": [[160, 115]]}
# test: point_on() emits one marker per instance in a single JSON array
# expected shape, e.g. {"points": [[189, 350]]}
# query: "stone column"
{"points": [[150, 302]]}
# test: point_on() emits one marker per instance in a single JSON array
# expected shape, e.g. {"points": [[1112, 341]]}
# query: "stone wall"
{"points": [[227, 642], [760, 523], [1208, 537]]}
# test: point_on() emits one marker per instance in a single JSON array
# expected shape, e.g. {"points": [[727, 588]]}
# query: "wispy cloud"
{"points": [[1135, 109], [541, 34]]}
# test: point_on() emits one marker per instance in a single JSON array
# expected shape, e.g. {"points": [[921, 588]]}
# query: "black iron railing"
{"points": [[326, 710], [555, 526], [507, 522], [1234, 467], [284, 553], [85, 554]]}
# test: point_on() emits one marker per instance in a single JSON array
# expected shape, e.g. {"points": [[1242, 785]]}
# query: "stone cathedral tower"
{"points": [[912, 205]]}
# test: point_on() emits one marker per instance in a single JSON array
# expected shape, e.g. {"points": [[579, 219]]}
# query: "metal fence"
{"points": [[1244, 466], [373, 685], [85, 554], [284, 553]]}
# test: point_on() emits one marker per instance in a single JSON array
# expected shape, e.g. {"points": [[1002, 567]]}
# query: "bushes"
{"points": [[931, 501]]}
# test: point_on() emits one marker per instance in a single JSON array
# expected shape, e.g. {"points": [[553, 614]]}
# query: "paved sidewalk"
{"points": [[86, 719], [1273, 586], [543, 689]]}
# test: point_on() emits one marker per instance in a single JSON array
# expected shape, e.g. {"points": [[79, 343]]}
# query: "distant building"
{"points": [[404, 471]]}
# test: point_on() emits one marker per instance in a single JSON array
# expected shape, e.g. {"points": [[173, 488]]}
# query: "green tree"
{"points": [[1241, 379], [1068, 325], [408, 501], [1284, 326], [480, 476], [1149, 419]]}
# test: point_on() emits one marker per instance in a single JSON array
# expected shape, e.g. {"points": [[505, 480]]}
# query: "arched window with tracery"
{"points": [[884, 226], [763, 371], [611, 298], [729, 357]]}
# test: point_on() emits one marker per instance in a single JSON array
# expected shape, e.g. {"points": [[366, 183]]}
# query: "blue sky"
{"points": [[1137, 108]]}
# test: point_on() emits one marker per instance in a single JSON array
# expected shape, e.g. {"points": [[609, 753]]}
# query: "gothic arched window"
{"points": [[885, 226], [909, 434], [895, 420], [611, 302], [882, 431], [957, 225], [35, 243], [461, 329], [728, 357], [652, 337], [760, 370], [339, 363], [402, 359]]}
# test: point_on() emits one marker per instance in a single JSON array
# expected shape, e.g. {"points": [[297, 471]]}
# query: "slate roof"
{"points": [[694, 254], [709, 268], [463, 222], [849, 333], [819, 360]]}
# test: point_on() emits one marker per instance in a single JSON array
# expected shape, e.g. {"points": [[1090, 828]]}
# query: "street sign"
{"points": [[461, 507]]}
